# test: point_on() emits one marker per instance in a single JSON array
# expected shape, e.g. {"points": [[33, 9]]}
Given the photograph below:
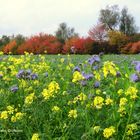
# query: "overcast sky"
{"points": [[30, 17]]}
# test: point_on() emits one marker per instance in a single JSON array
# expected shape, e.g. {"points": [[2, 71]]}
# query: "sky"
{"points": [[30, 17]]}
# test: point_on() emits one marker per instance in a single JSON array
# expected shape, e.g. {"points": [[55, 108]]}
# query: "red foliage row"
{"points": [[44, 43], [78, 45]]}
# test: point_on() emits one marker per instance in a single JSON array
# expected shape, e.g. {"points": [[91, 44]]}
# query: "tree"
{"points": [[63, 33], [117, 39], [4, 40], [110, 17], [98, 33], [127, 23]]}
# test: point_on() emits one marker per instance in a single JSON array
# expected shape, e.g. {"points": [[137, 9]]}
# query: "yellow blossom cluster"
{"points": [[108, 132], [77, 76], [53, 88], [132, 92], [109, 68], [72, 114]]}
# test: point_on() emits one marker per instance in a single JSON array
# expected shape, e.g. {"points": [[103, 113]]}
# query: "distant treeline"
{"points": [[115, 32]]}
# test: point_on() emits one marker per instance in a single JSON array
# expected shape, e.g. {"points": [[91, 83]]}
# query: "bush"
{"points": [[131, 48], [40, 44], [10, 47], [79, 45]]}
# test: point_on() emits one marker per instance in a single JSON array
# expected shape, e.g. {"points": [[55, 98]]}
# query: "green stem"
{"points": [[128, 121]]}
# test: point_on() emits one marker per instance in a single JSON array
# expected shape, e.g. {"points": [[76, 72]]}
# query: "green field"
{"points": [[69, 97]]}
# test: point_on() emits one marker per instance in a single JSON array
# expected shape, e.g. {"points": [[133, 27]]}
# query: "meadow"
{"points": [[69, 97]]}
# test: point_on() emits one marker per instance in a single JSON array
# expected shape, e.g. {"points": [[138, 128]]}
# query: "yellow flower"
{"points": [[123, 101], [35, 136], [131, 128], [19, 115], [132, 92], [46, 94], [29, 99], [122, 111], [77, 76], [4, 115], [98, 102], [62, 60], [10, 109], [97, 76], [120, 91], [72, 114], [98, 91], [96, 129], [108, 101], [53, 87], [108, 132], [13, 119], [109, 68], [56, 109]]}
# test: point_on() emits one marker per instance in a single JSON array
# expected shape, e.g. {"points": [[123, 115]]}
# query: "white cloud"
{"points": [[33, 16]]}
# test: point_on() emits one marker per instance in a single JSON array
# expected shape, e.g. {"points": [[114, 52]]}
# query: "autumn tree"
{"points": [[98, 33], [117, 39]]}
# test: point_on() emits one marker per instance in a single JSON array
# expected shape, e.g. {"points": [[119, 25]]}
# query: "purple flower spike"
{"points": [[14, 88], [34, 76], [87, 76], [134, 77], [96, 84], [94, 59], [76, 69], [137, 67], [118, 74]]}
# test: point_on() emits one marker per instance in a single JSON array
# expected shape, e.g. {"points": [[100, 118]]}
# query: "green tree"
{"points": [[110, 17], [64, 32], [127, 22]]}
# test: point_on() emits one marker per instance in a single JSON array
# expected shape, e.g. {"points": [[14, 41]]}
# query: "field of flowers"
{"points": [[69, 97]]}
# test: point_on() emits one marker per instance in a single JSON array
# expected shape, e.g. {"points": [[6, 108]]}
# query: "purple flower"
{"points": [[26, 74], [93, 59], [137, 67], [97, 58], [96, 84], [83, 83], [34, 76], [14, 88], [135, 62], [101, 53], [134, 77], [76, 69], [20, 73], [87, 76], [118, 74], [95, 67]]}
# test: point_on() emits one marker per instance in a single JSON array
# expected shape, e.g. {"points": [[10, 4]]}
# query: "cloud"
{"points": [[33, 16]]}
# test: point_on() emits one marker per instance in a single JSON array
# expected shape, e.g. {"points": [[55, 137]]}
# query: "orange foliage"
{"points": [[132, 48], [10, 47], [40, 44]]}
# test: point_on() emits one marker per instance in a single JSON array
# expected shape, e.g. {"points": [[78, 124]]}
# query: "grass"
{"points": [[44, 97]]}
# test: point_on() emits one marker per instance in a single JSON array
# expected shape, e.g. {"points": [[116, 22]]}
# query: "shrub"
{"points": [[10, 47], [131, 48], [80, 45], [40, 44]]}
